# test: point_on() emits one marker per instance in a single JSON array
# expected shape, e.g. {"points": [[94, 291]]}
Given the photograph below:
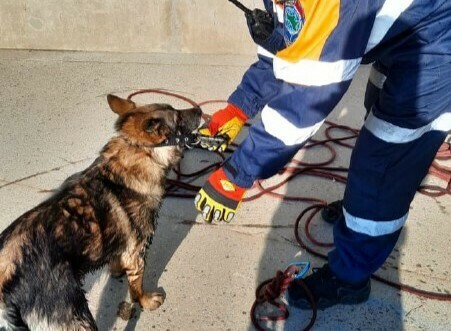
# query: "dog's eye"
{"points": [[153, 124]]}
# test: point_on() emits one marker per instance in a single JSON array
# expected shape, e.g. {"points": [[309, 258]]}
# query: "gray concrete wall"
{"points": [[175, 26]]}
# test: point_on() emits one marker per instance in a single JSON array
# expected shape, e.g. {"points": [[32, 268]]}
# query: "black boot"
{"points": [[332, 212], [327, 290]]}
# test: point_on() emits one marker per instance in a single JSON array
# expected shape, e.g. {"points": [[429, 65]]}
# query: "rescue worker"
{"points": [[307, 58]]}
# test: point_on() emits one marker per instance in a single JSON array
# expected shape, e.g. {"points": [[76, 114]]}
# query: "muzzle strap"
{"points": [[192, 140], [182, 140]]}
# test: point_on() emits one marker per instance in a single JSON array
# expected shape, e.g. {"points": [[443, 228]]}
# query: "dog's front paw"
{"points": [[151, 301]]}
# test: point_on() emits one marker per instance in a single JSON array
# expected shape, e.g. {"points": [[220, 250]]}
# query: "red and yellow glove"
{"points": [[228, 122], [219, 199]]}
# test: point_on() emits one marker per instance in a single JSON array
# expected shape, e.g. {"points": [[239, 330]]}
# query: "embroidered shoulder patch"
{"points": [[294, 19]]}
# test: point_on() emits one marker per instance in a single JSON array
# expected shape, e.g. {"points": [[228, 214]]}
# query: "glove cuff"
{"points": [[222, 190], [225, 115], [237, 112]]}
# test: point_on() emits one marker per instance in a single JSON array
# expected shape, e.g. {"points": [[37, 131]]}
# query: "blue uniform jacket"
{"points": [[326, 41]]}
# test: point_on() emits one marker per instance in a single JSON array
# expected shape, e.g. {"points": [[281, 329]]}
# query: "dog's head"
{"points": [[152, 124]]}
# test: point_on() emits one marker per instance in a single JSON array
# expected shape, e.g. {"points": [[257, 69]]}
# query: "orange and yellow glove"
{"points": [[227, 122], [219, 199]]}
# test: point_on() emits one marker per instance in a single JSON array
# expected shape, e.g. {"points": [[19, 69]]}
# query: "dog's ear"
{"points": [[120, 106]]}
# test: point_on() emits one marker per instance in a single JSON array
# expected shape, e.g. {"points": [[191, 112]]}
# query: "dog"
{"points": [[103, 215]]}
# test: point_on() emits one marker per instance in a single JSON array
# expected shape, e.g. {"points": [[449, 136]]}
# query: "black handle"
{"points": [[246, 10]]}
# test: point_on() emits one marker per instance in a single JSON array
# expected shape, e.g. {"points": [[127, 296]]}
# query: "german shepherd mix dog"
{"points": [[105, 214]]}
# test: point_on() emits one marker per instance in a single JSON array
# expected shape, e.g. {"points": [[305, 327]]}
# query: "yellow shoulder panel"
{"points": [[321, 18]]}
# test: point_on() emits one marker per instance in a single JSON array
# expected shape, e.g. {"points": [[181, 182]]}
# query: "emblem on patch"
{"points": [[294, 18]]}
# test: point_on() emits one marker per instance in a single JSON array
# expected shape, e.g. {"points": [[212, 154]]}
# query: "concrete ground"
{"points": [[55, 119]]}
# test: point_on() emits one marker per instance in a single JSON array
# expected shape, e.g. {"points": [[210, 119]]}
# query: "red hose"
{"points": [[271, 289]]}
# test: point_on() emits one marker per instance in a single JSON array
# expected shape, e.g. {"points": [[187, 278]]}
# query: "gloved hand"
{"points": [[260, 24], [219, 199], [265, 31], [227, 122]]}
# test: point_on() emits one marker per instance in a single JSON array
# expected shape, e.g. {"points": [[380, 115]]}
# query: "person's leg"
{"points": [[377, 77], [392, 155], [407, 124], [382, 182]]}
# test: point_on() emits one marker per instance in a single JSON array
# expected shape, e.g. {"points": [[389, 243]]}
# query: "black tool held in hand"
{"points": [[246, 10], [260, 23]]}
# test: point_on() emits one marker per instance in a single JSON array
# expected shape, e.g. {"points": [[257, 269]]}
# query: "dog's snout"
{"points": [[197, 114], [197, 111], [190, 118], [193, 113]]}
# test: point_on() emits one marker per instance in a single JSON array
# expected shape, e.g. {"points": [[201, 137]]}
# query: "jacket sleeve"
{"points": [[259, 85], [311, 76]]}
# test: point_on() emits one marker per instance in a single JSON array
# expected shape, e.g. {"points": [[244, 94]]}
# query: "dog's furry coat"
{"points": [[104, 214]]}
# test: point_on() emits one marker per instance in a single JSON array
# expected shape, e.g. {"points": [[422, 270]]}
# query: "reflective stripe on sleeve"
{"points": [[395, 134], [385, 18], [280, 128], [262, 51], [373, 228], [278, 9], [315, 73], [377, 78]]}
